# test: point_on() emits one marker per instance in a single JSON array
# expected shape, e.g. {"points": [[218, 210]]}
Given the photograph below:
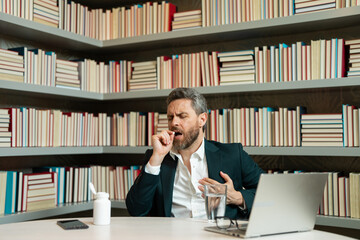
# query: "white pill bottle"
{"points": [[102, 209]]}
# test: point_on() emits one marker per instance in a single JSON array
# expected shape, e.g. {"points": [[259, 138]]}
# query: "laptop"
{"points": [[284, 203]]}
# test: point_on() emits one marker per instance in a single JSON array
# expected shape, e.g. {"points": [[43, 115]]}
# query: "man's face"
{"points": [[183, 120]]}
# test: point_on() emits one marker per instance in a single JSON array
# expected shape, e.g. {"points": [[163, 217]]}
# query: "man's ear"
{"points": [[202, 119]]}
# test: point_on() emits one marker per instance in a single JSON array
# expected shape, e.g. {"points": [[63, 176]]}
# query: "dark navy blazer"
{"points": [[151, 195]]}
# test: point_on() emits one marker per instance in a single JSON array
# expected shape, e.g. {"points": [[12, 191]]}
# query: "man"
{"points": [[182, 161]]}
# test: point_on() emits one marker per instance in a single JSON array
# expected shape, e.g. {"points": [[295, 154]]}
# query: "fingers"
{"points": [[204, 181], [167, 137], [225, 177]]}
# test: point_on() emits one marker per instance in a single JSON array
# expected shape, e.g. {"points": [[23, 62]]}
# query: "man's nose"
{"points": [[174, 121]]}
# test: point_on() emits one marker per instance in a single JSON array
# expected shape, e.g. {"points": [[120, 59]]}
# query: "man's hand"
{"points": [[233, 196], [162, 144]]}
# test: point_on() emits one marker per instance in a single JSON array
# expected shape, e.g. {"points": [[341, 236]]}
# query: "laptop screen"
{"points": [[285, 203]]}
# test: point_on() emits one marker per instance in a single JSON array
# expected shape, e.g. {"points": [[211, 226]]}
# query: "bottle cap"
{"points": [[102, 195]]}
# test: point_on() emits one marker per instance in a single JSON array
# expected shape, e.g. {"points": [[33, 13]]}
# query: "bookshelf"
{"points": [[340, 18], [334, 20]]}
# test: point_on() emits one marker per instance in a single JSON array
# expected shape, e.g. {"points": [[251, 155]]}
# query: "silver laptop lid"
{"points": [[286, 203]]}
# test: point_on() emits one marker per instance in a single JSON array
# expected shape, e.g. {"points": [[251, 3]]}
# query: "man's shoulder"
{"points": [[219, 145]]}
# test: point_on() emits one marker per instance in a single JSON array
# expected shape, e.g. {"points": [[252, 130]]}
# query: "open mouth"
{"points": [[178, 133]]}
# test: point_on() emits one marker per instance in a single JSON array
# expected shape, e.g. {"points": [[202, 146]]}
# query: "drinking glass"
{"points": [[215, 201]]}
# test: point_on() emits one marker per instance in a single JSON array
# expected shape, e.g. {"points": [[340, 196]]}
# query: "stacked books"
{"points": [[188, 19], [67, 74], [162, 123], [11, 66], [322, 130], [39, 191], [46, 12], [237, 67], [5, 134], [144, 76], [307, 6], [354, 57]]}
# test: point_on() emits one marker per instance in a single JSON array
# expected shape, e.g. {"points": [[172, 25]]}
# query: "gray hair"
{"points": [[198, 101]]}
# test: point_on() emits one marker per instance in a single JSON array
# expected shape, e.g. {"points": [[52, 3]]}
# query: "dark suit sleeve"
{"points": [[139, 199], [250, 172]]}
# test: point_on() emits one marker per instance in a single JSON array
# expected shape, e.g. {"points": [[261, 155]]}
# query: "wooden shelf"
{"points": [[8, 87], [263, 151], [318, 21], [42, 151], [342, 222], [29, 30], [60, 210], [46, 35]]}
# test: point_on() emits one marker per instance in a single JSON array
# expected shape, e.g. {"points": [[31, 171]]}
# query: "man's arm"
{"points": [[140, 197], [139, 200]]}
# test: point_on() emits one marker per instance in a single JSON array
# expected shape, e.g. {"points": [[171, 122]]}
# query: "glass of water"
{"points": [[215, 201]]}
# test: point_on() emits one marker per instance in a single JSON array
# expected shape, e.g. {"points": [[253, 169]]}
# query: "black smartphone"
{"points": [[72, 224]]}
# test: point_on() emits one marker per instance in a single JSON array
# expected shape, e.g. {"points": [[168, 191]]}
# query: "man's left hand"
{"points": [[233, 196]]}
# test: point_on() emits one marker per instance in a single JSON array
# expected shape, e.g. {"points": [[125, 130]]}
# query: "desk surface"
{"points": [[135, 228]]}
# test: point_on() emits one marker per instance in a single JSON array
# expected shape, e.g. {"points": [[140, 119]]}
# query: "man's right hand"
{"points": [[162, 144]]}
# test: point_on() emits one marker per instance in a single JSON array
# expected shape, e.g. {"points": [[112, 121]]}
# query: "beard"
{"points": [[189, 138]]}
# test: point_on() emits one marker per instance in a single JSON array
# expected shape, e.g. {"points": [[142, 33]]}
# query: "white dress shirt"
{"points": [[187, 200]]}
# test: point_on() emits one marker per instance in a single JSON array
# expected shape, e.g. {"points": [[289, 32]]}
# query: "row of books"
{"points": [[188, 70], [53, 128], [285, 127], [48, 187], [155, 17], [322, 59], [261, 127], [341, 194], [235, 11], [119, 22]]}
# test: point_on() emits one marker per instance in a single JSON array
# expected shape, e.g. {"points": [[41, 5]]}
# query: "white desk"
{"points": [[125, 228]]}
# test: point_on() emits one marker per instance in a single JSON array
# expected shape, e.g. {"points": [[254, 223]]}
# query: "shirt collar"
{"points": [[200, 152]]}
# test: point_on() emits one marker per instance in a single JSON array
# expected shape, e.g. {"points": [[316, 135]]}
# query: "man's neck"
{"points": [[186, 153]]}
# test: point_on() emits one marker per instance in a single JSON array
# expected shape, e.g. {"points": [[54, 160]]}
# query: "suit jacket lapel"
{"points": [[213, 159], [167, 179]]}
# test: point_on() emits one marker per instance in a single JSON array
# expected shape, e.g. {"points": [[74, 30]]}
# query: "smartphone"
{"points": [[72, 224]]}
